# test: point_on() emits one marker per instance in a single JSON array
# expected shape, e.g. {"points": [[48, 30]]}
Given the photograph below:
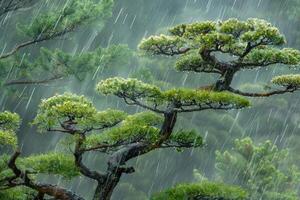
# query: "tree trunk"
{"points": [[224, 81], [104, 190]]}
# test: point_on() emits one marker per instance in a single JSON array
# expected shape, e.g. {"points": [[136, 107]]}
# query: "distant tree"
{"points": [[50, 21], [248, 44], [263, 170]]}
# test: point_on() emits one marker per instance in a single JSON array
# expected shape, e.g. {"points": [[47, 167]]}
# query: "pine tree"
{"points": [[222, 48]]}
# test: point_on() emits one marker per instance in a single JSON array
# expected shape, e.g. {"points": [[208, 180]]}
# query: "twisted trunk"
{"points": [[118, 160]]}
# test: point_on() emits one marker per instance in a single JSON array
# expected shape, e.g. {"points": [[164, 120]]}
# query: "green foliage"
{"points": [[249, 40], [8, 138], [134, 89], [261, 169], [65, 107], [165, 43], [193, 62], [188, 97], [204, 190], [142, 127], [267, 56], [292, 80], [261, 30], [57, 64], [187, 138], [9, 121], [18, 193], [137, 127], [56, 163], [131, 88], [73, 14], [75, 109]]}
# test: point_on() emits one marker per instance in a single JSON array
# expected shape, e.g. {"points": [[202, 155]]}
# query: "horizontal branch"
{"points": [[37, 40], [51, 190], [138, 103], [264, 94], [32, 82]]}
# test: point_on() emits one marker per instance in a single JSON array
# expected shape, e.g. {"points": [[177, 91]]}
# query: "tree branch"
{"points": [[37, 40], [51, 190], [78, 154], [32, 82], [266, 94]]}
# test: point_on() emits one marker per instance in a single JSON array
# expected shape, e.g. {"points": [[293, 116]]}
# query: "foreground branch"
{"points": [[22, 178]]}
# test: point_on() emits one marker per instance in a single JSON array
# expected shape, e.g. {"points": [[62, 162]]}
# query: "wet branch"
{"points": [[265, 94]]}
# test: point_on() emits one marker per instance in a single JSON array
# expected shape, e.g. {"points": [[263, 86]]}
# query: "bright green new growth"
{"points": [[8, 138], [292, 80], [141, 127], [134, 90], [74, 109], [193, 62], [131, 88], [9, 123], [65, 107], [51, 163], [253, 41], [201, 97], [261, 169], [19, 193], [204, 190], [73, 14]]}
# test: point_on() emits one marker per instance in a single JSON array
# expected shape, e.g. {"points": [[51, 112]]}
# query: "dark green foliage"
{"points": [[73, 14], [201, 191]]}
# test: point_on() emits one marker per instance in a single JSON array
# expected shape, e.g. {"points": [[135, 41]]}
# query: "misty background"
{"points": [[275, 118]]}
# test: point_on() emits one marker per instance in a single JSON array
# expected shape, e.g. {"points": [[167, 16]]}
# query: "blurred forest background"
{"points": [[109, 48]]}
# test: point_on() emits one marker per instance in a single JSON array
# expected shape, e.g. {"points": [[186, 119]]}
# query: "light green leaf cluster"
{"points": [[261, 169], [192, 97], [135, 128], [144, 118], [292, 80], [204, 190], [51, 163], [141, 127], [253, 40], [75, 109], [235, 27], [187, 138], [267, 56], [192, 61], [71, 15], [162, 44], [8, 138], [261, 30], [4, 170], [9, 121], [65, 107], [130, 88], [18, 193], [134, 89], [192, 31]]}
